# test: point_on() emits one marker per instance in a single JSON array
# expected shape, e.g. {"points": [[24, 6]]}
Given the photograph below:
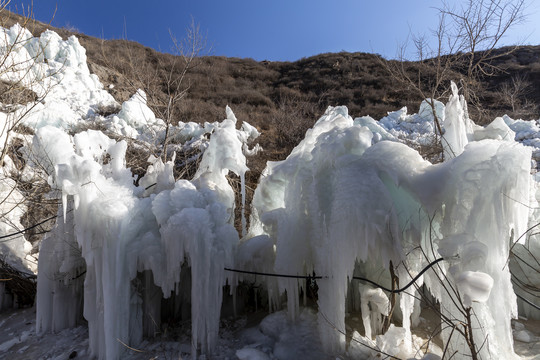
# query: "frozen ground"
{"points": [[242, 338], [245, 335]]}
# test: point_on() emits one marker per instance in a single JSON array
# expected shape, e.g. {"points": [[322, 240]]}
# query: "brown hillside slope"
{"points": [[283, 99]]}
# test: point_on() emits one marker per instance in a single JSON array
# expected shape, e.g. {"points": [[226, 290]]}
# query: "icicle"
{"points": [[256, 299], [305, 285], [243, 191], [64, 204], [233, 291]]}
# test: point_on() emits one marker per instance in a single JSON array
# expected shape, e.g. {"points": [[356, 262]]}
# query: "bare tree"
{"points": [[479, 26], [163, 78], [16, 98], [187, 51], [462, 48], [513, 92], [24, 84]]}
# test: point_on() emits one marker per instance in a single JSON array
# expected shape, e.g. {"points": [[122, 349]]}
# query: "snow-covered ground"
{"points": [[351, 199], [243, 338]]}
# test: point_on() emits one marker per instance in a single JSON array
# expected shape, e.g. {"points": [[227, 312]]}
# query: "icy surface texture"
{"points": [[122, 230], [456, 125], [64, 92], [426, 110], [136, 113], [376, 299], [413, 127], [67, 95], [284, 339], [479, 185], [338, 203], [15, 249], [419, 129], [526, 251], [57, 72], [497, 129], [60, 278]]}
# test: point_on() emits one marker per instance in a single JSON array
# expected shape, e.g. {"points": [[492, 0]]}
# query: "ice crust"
{"points": [[349, 200]]}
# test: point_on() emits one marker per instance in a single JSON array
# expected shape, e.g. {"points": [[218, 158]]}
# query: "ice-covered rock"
{"points": [[137, 114], [523, 336], [497, 129]]}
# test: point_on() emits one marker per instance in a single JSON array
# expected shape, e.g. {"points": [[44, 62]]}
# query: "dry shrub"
{"points": [[14, 93], [290, 121], [107, 110], [137, 159]]}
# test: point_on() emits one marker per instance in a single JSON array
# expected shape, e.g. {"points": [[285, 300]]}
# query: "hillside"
{"points": [[267, 92], [284, 98]]}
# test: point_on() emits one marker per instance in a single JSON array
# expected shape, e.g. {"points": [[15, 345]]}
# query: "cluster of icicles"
{"points": [[342, 204]]}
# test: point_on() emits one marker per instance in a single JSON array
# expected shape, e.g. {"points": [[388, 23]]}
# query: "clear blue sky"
{"points": [[271, 29]]}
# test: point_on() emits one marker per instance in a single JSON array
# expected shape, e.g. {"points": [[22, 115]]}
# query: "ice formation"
{"points": [[122, 232], [112, 235], [351, 200], [57, 72], [14, 248], [339, 205], [456, 125]]}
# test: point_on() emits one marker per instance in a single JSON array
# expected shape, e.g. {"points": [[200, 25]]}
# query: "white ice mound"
{"points": [[126, 235], [14, 248], [497, 129], [475, 286], [456, 125], [426, 110], [415, 127], [339, 205], [137, 114], [56, 71]]}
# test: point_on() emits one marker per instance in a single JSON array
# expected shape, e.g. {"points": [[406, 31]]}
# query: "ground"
{"points": [[242, 336]]}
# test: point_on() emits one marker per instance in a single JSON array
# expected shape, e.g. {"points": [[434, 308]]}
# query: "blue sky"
{"points": [[284, 30]]}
